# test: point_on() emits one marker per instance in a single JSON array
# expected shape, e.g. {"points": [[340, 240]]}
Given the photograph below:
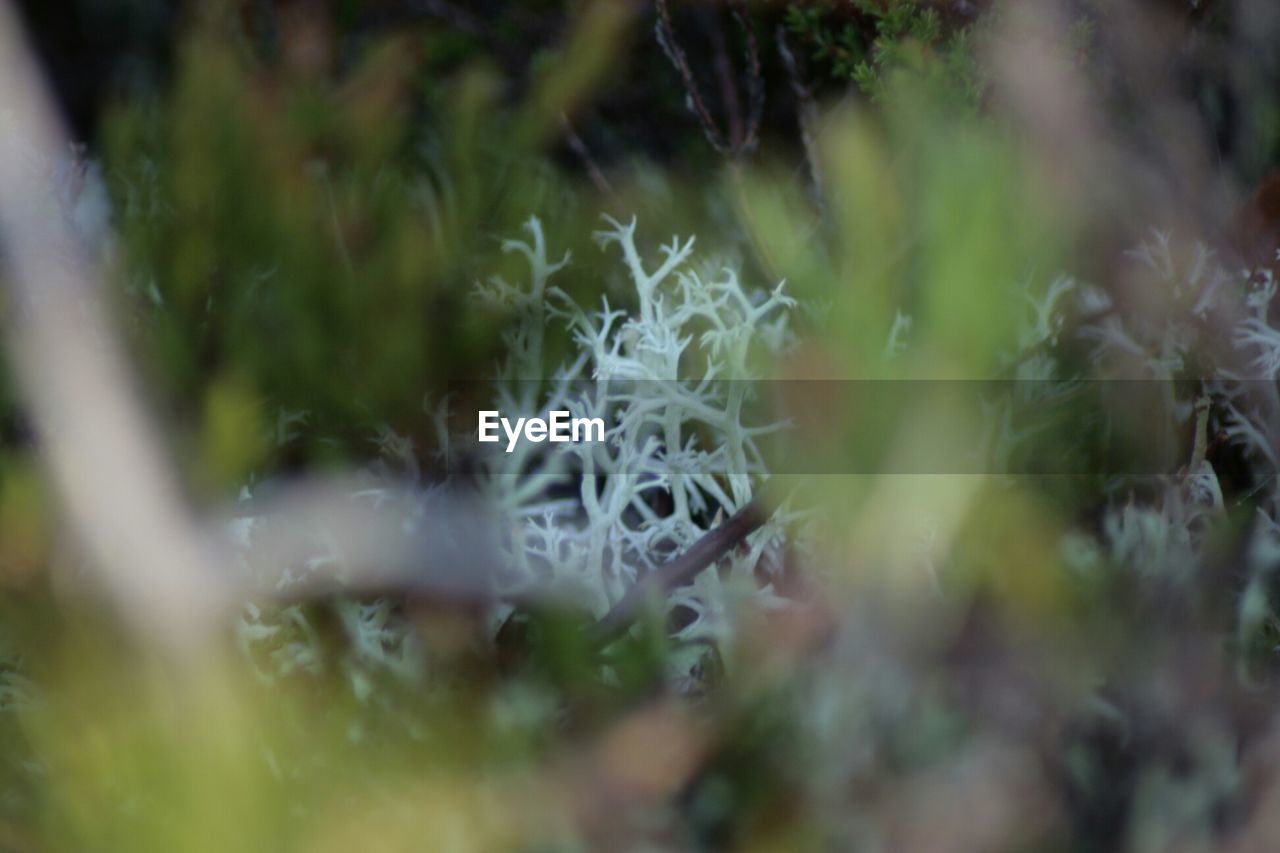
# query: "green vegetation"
{"points": [[936, 306]]}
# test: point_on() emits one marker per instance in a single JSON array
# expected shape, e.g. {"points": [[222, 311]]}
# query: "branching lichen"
{"points": [[671, 379]]}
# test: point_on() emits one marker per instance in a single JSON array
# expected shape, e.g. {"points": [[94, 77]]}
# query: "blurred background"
{"points": [[973, 549]]}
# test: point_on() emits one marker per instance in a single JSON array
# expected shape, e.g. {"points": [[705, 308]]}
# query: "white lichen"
{"points": [[672, 380]]}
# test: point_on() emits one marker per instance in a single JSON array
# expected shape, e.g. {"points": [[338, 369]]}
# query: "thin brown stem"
{"points": [[806, 112], [682, 569], [579, 148], [737, 142]]}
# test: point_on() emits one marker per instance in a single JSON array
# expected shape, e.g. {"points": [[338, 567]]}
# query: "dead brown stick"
{"points": [[806, 114], [724, 76], [739, 141], [579, 147], [682, 569]]}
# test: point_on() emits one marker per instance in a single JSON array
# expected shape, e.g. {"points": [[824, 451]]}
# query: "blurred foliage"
{"points": [[300, 252], [861, 40], [300, 213]]}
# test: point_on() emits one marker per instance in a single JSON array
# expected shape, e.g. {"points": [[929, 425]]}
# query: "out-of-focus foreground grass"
{"points": [[293, 247]]}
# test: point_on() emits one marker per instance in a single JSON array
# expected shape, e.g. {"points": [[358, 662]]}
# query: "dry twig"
{"points": [[682, 569], [742, 138]]}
